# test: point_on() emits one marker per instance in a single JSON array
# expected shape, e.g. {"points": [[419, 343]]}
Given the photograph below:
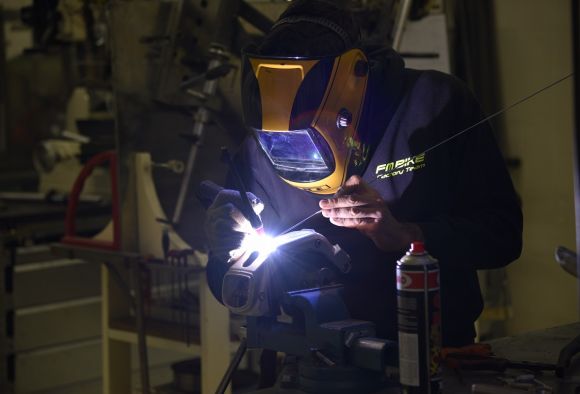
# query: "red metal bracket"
{"points": [[70, 236]]}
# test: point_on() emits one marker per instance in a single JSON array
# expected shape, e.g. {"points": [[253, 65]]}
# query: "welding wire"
{"points": [[339, 193], [300, 222], [501, 111]]}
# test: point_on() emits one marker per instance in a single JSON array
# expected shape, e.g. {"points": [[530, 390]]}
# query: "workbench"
{"points": [[537, 346]]}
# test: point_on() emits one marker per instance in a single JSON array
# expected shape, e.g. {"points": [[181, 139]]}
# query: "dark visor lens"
{"points": [[298, 155]]}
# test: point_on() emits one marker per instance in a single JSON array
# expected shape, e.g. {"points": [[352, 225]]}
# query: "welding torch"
{"points": [[247, 209], [209, 190]]}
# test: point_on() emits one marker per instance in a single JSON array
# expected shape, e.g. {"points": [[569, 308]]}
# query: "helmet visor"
{"points": [[298, 155], [280, 94]]}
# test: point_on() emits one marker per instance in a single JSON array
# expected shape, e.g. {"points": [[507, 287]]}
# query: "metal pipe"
{"points": [[141, 333], [399, 28], [201, 118]]}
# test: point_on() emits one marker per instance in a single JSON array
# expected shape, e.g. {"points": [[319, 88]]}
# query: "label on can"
{"points": [[409, 359]]}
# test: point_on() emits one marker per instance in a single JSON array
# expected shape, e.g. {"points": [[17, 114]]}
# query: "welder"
{"points": [[343, 126]]}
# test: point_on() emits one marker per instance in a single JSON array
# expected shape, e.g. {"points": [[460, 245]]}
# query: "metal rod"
{"points": [[232, 367], [201, 118], [141, 333], [402, 15]]}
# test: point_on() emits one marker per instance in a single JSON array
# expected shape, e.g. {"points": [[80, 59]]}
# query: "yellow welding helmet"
{"points": [[305, 114]]}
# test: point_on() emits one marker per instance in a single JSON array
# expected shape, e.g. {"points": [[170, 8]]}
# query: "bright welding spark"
{"points": [[262, 244]]}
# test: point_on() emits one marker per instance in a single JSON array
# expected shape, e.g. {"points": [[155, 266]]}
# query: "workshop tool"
{"points": [[298, 275], [479, 357], [419, 318]]}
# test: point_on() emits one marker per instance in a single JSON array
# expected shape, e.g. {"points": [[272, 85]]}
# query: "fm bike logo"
{"points": [[400, 167]]}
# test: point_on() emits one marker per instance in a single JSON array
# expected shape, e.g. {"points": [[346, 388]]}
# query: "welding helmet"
{"points": [[305, 114]]}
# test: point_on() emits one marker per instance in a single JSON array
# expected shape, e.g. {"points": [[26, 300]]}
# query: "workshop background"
{"points": [[80, 78]]}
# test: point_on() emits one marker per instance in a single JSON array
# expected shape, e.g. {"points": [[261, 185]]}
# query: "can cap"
{"points": [[417, 247]]}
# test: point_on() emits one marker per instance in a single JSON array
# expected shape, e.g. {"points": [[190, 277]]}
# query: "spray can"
{"points": [[419, 319]]}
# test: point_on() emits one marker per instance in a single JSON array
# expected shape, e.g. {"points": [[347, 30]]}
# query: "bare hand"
{"points": [[361, 207]]}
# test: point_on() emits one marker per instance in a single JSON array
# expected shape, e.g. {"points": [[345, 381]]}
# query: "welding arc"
{"points": [[501, 111]]}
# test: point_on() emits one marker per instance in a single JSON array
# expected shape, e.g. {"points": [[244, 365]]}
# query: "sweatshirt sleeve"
{"points": [[483, 228]]}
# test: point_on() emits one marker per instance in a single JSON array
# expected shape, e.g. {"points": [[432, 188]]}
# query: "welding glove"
{"points": [[226, 226]]}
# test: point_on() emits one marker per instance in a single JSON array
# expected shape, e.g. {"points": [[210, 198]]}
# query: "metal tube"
{"points": [[201, 118], [141, 333], [399, 28]]}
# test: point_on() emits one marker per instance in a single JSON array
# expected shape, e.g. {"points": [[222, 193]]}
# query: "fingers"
{"points": [[357, 206], [347, 201], [358, 223], [356, 212]]}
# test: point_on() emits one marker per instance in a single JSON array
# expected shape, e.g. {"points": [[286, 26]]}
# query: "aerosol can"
{"points": [[419, 319]]}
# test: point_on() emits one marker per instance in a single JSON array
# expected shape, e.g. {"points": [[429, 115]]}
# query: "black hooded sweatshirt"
{"points": [[459, 194]]}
